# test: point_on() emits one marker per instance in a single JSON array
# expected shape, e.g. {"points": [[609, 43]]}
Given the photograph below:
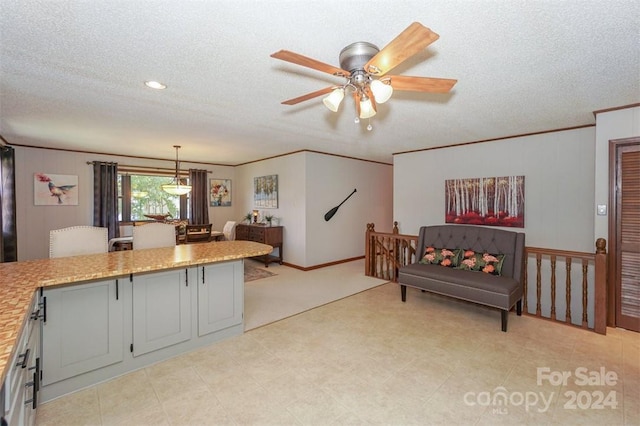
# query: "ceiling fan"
{"points": [[365, 68]]}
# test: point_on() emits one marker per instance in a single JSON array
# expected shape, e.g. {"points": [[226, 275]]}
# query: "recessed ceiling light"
{"points": [[155, 85]]}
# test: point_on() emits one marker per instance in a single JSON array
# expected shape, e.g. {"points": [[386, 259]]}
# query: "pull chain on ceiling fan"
{"points": [[364, 66]]}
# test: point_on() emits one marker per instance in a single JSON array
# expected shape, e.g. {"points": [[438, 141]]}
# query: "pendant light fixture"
{"points": [[175, 187]]}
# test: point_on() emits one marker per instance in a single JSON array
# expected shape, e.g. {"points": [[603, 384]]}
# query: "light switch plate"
{"points": [[602, 209]]}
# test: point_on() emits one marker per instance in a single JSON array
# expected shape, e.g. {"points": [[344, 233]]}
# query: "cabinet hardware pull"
{"points": [[203, 275], [186, 277], [117, 290], [25, 359], [44, 308], [34, 399]]}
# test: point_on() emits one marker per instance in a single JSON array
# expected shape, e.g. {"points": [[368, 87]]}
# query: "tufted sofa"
{"points": [[503, 291]]}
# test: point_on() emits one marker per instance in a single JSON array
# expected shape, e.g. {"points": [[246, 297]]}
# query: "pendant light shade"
{"points": [[366, 108], [333, 100], [381, 91], [175, 187]]}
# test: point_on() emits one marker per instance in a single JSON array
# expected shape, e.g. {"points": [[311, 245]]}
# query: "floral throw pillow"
{"points": [[485, 262], [442, 256]]}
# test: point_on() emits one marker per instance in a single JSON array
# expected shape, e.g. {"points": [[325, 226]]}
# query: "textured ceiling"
{"points": [[72, 73]]}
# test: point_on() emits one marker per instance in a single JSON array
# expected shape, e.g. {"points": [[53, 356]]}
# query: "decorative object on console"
{"points": [[176, 187], [55, 190], [363, 64], [220, 192], [328, 215], [491, 201], [255, 216], [265, 192]]}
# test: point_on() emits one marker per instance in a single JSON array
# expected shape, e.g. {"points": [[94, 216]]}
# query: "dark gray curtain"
{"points": [[199, 197], [105, 196], [9, 237]]}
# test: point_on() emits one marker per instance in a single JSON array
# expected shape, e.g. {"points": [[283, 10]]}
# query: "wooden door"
{"points": [[624, 265]]}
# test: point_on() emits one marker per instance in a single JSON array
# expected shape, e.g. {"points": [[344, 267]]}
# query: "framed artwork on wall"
{"points": [[489, 201], [55, 190], [265, 192], [220, 192]]}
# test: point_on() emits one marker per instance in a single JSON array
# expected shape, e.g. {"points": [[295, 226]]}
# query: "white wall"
{"points": [[618, 124], [329, 181], [291, 195], [35, 222], [559, 184], [310, 184]]}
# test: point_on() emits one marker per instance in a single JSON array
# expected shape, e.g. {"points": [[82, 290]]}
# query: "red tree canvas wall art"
{"points": [[494, 201]]}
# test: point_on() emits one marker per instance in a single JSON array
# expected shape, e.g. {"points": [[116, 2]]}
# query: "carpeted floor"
{"points": [[292, 291]]}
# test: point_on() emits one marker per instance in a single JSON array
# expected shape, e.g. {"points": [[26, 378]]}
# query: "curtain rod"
{"points": [[139, 168]]}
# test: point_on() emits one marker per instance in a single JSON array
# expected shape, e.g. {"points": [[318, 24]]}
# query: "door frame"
{"points": [[613, 259]]}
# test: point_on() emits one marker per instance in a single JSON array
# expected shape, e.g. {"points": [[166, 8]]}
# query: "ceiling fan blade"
{"points": [[296, 58], [356, 99], [308, 96], [409, 42], [421, 84]]}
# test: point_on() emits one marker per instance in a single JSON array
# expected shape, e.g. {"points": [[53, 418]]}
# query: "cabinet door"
{"points": [[220, 296], [82, 329], [161, 310]]}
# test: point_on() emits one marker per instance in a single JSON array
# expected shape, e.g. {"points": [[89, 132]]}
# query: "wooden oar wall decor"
{"points": [[328, 215]]}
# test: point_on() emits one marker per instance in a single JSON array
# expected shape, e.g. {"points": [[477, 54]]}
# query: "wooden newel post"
{"points": [[368, 255], [600, 287]]}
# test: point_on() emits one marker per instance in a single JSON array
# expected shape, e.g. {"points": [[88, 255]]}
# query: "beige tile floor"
{"points": [[371, 359]]}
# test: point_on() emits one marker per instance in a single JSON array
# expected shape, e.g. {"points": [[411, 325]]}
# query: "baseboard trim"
{"points": [[322, 265]]}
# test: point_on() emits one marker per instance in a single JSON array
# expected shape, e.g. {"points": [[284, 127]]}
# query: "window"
{"points": [[140, 195]]}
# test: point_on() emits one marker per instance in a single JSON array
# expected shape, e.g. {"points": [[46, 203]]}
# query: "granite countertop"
{"points": [[19, 280]]}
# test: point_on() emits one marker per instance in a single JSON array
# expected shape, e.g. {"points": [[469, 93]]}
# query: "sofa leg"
{"points": [[505, 316], [403, 292], [519, 307]]}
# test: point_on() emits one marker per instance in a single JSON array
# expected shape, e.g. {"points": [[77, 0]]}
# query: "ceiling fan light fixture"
{"points": [[334, 99], [366, 108], [175, 187], [382, 91]]}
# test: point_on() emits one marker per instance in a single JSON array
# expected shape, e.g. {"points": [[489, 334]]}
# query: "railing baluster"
{"points": [[525, 285], [568, 265], [585, 269], [553, 287], [538, 283]]}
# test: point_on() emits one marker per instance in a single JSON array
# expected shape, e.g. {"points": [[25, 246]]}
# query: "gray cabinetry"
{"points": [[220, 296], [161, 310], [82, 330], [20, 390]]}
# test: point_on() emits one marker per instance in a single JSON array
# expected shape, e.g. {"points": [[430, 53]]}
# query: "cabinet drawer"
{"points": [[256, 235]]}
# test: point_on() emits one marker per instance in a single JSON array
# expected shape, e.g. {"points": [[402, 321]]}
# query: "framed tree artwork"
{"points": [[220, 192], [492, 201], [265, 192]]}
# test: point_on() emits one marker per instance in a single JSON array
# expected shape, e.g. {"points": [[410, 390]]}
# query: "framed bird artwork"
{"points": [[55, 190]]}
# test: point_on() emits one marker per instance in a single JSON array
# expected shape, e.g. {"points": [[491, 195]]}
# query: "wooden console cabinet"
{"points": [[270, 235]]}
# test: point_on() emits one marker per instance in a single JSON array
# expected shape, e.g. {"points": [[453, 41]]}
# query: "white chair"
{"points": [[229, 230], [154, 235], [77, 240]]}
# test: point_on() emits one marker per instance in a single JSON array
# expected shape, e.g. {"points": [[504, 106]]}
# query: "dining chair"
{"points": [[154, 235], [76, 240], [198, 233], [229, 230]]}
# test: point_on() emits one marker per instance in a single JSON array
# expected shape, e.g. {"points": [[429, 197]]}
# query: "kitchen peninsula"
{"points": [[103, 315]]}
